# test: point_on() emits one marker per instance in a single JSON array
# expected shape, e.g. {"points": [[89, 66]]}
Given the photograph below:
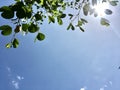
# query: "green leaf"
{"points": [[82, 29], [84, 21], [77, 0], [108, 11], [69, 26], [71, 15], [38, 17], [17, 0], [79, 23], [51, 19], [38, 1], [4, 8], [40, 36], [8, 45], [62, 15], [17, 29], [33, 28], [28, 12], [86, 9], [113, 3], [21, 13], [72, 27], [25, 27], [59, 20], [7, 12], [15, 43], [6, 30], [104, 22], [8, 15]]}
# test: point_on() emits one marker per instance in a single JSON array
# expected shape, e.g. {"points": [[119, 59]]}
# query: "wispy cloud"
{"points": [[105, 86], [8, 69], [83, 88], [14, 79], [110, 82], [15, 84], [101, 88], [19, 77]]}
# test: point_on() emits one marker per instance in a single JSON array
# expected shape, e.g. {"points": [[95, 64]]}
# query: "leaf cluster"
{"points": [[29, 15]]}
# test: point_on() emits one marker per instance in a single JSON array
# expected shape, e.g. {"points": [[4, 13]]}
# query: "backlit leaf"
{"points": [[113, 3], [104, 22], [86, 9], [8, 45], [59, 20]]}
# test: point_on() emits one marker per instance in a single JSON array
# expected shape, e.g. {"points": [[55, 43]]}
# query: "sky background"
{"points": [[65, 60]]}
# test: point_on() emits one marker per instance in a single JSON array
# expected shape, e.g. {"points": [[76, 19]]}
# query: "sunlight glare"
{"points": [[100, 8]]}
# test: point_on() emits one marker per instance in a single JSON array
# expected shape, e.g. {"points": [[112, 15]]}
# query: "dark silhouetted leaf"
{"points": [[51, 19], [84, 21], [7, 12], [21, 13], [33, 28], [70, 26], [108, 11], [71, 15], [6, 30], [15, 43], [38, 17], [4, 8], [82, 29], [62, 15], [40, 36], [25, 27]]}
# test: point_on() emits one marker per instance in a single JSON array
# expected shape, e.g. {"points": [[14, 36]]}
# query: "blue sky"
{"points": [[65, 60]]}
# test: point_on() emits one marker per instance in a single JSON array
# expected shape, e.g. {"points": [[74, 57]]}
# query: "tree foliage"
{"points": [[29, 15]]}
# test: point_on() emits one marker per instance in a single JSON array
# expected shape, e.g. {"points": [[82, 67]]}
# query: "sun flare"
{"points": [[100, 8]]}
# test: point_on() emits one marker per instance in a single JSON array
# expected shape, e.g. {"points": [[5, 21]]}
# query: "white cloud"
{"points": [[110, 82], [15, 84], [101, 88], [84, 88], [8, 69], [19, 77], [105, 86], [14, 79]]}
